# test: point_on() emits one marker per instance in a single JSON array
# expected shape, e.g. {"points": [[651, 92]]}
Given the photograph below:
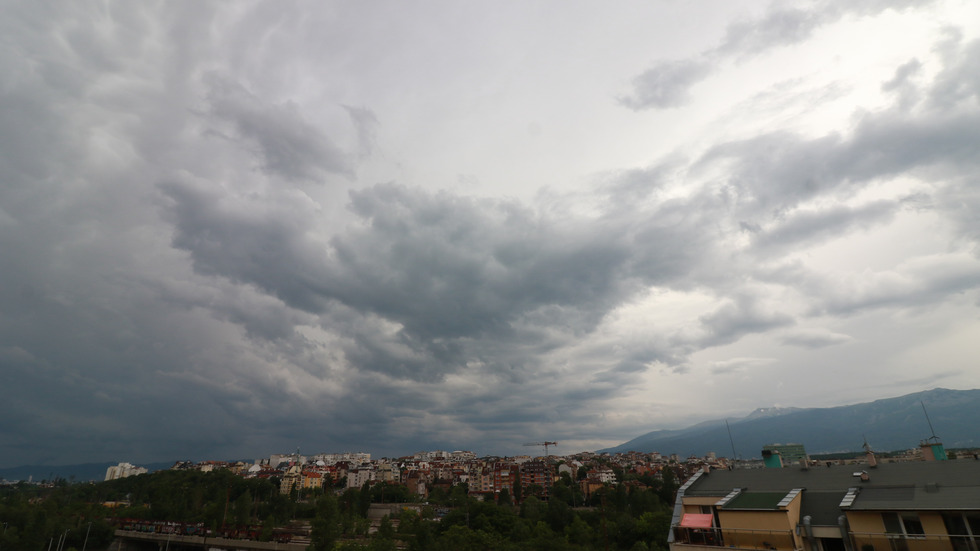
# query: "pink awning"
{"points": [[693, 520]]}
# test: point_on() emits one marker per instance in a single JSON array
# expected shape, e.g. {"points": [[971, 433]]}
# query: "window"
{"points": [[906, 524], [913, 526], [963, 530]]}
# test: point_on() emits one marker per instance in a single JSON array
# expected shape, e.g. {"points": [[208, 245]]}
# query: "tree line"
{"points": [[631, 516]]}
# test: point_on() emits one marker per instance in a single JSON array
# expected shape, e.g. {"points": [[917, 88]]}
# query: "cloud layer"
{"points": [[227, 232]]}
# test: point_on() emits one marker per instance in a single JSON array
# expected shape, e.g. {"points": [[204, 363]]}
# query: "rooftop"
{"points": [[926, 485]]}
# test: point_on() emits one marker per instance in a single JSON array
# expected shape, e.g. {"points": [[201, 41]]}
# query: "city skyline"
{"points": [[238, 227]]}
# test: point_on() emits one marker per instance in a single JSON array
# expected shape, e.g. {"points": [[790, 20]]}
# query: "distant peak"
{"points": [[769, 412]]}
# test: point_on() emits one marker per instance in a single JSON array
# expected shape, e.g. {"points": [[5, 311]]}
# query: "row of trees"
{"points": [[626, 516]]}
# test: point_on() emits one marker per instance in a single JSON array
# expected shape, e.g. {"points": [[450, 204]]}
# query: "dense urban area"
{"points": [[431, 500]]}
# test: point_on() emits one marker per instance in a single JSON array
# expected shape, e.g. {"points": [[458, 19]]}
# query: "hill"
{"points": [[887, 424]]}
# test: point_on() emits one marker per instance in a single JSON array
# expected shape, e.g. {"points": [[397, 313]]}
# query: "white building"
{"points": [[350, 457], [123, 470], [357, 477]]}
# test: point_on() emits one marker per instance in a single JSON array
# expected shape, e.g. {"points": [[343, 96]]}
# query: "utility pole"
{"points": [[87, 530]]}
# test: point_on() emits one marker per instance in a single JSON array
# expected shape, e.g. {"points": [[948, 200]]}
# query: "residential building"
{"points": [[504, 476], [539, 473], [292, 479], [911, 506], [361, 475], [123, 470]]}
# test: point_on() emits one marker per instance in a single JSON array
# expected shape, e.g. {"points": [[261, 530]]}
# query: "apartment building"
{"points": [[912, 506], [539, 473]]}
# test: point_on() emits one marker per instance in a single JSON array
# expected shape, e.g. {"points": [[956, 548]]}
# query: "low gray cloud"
{"points": [[287, 144], [736, 319], [666, 84], [803, 228], [778, 27], [813, 338], [881, 146]]}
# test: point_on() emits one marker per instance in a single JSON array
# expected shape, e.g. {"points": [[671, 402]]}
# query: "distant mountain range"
{"points": [[887, 425]]}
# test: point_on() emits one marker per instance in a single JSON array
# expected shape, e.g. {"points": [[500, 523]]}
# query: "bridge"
{"points": [[128, 540]]}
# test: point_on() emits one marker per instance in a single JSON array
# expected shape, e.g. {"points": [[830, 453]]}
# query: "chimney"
{"points": [[933, 450], [870, 455]]}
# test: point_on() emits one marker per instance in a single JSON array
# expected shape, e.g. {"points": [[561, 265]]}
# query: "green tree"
{"points": [[326, 525], [385, 529], [533, 510], [243, 508], [518, 490]]}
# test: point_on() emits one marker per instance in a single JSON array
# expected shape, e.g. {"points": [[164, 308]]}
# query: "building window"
{"points": [[963, 530], [907, 524], [913, 526]]}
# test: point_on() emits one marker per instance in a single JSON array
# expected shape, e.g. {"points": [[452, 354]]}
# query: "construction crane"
{"points": [[545, 444]]}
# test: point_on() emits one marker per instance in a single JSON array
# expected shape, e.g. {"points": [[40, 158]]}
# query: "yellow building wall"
{"points": [[761, 529], [694, 504], [793, 516], [701, 500], [932, 523], [869, 529], [864, 522], [757, 520]]}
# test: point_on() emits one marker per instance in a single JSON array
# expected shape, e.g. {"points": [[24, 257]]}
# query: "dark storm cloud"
{"points": [[449, 271], [162, 298], [265, 240], [431, 283]]}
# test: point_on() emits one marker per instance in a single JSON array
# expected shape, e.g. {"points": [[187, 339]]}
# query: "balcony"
{"points": [[919, 542], [711, 539], [703, 539]]}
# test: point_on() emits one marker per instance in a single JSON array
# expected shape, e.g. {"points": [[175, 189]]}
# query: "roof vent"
{"points": [[932, 487]]}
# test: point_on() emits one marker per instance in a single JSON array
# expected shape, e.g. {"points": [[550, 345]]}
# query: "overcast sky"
{"points": [[234, 229]]}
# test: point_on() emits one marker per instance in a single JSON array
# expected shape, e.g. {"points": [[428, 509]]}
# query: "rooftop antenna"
{"points": [[732, 440], [932, 430]]}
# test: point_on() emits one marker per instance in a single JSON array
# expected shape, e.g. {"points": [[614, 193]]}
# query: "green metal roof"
{"points": [[756, 500], [921, 485]]}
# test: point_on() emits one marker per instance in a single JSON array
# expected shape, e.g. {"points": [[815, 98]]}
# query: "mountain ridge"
{"points": [[887, 424]]}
